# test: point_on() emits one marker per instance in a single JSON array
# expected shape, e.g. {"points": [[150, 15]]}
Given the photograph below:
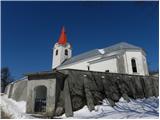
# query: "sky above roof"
{"points": [[30, 30]]}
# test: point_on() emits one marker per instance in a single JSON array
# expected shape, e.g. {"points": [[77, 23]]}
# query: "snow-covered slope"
{"points": [[15, 110], [140, 108]]}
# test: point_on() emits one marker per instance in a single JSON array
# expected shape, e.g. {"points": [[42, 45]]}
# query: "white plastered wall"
{"points": [[145, 65], [138, 56], [102, 66], [60, 57], [80, 65]]}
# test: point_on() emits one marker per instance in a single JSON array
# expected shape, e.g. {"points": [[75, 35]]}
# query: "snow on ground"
{"points": [[16, 110], [140, 108]]}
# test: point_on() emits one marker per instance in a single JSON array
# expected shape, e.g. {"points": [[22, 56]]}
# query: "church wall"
{"points": [[60, 57], [102, 66], [81, 65], [7, 89], [121, 64], [50, 84], [145, 65], [19, 91], [137, 55], [57, 59], [78, 66]]}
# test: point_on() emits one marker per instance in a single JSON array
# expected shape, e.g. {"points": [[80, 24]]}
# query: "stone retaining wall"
{"points": [[79, 88], [75, 88], [17, 90]]}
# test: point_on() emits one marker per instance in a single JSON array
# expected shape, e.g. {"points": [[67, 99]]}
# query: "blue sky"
{"points": [[30, 29]]}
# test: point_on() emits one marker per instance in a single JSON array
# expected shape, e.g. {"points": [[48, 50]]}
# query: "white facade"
{"points": [[120, 58], [110, 64], [81, 65], [60, 54], [141, 63]]}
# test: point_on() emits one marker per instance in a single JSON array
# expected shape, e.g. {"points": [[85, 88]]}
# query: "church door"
{"points": [[40, 99]]}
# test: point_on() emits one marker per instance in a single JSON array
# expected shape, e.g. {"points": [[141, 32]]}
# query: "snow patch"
{"points": [[101, 51], [140, 108], [14, 109]]}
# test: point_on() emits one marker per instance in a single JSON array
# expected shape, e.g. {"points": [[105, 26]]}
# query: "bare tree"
{"points": [[5, 78]]}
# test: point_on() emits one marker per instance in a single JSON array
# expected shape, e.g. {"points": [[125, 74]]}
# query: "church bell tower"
{"points": [[61, 51]]}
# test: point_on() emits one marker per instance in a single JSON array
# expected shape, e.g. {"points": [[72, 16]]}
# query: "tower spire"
{"points": [[63, 38], [62, 50]]}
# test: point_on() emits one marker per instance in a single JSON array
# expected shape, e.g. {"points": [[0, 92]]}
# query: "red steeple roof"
{"points": [[63, 38]]}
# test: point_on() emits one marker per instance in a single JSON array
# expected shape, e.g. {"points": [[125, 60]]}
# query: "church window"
{"points": [[88, 68], [56, 52], [134, 67], [107, 71], [66, 52]]}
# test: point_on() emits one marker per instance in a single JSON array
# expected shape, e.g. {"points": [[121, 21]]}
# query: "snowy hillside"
{"points": [[140, 108]]}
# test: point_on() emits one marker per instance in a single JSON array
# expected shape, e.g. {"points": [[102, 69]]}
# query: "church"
{"points": [[43, 90], [119, 58]]}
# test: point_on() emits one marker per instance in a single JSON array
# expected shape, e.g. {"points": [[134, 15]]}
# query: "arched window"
{"points": [[56, 52], [66, 52], [88, 68], [134, 67]]}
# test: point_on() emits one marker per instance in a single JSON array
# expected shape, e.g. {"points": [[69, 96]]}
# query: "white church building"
{"points": [[42, 90], [119, 58]]}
